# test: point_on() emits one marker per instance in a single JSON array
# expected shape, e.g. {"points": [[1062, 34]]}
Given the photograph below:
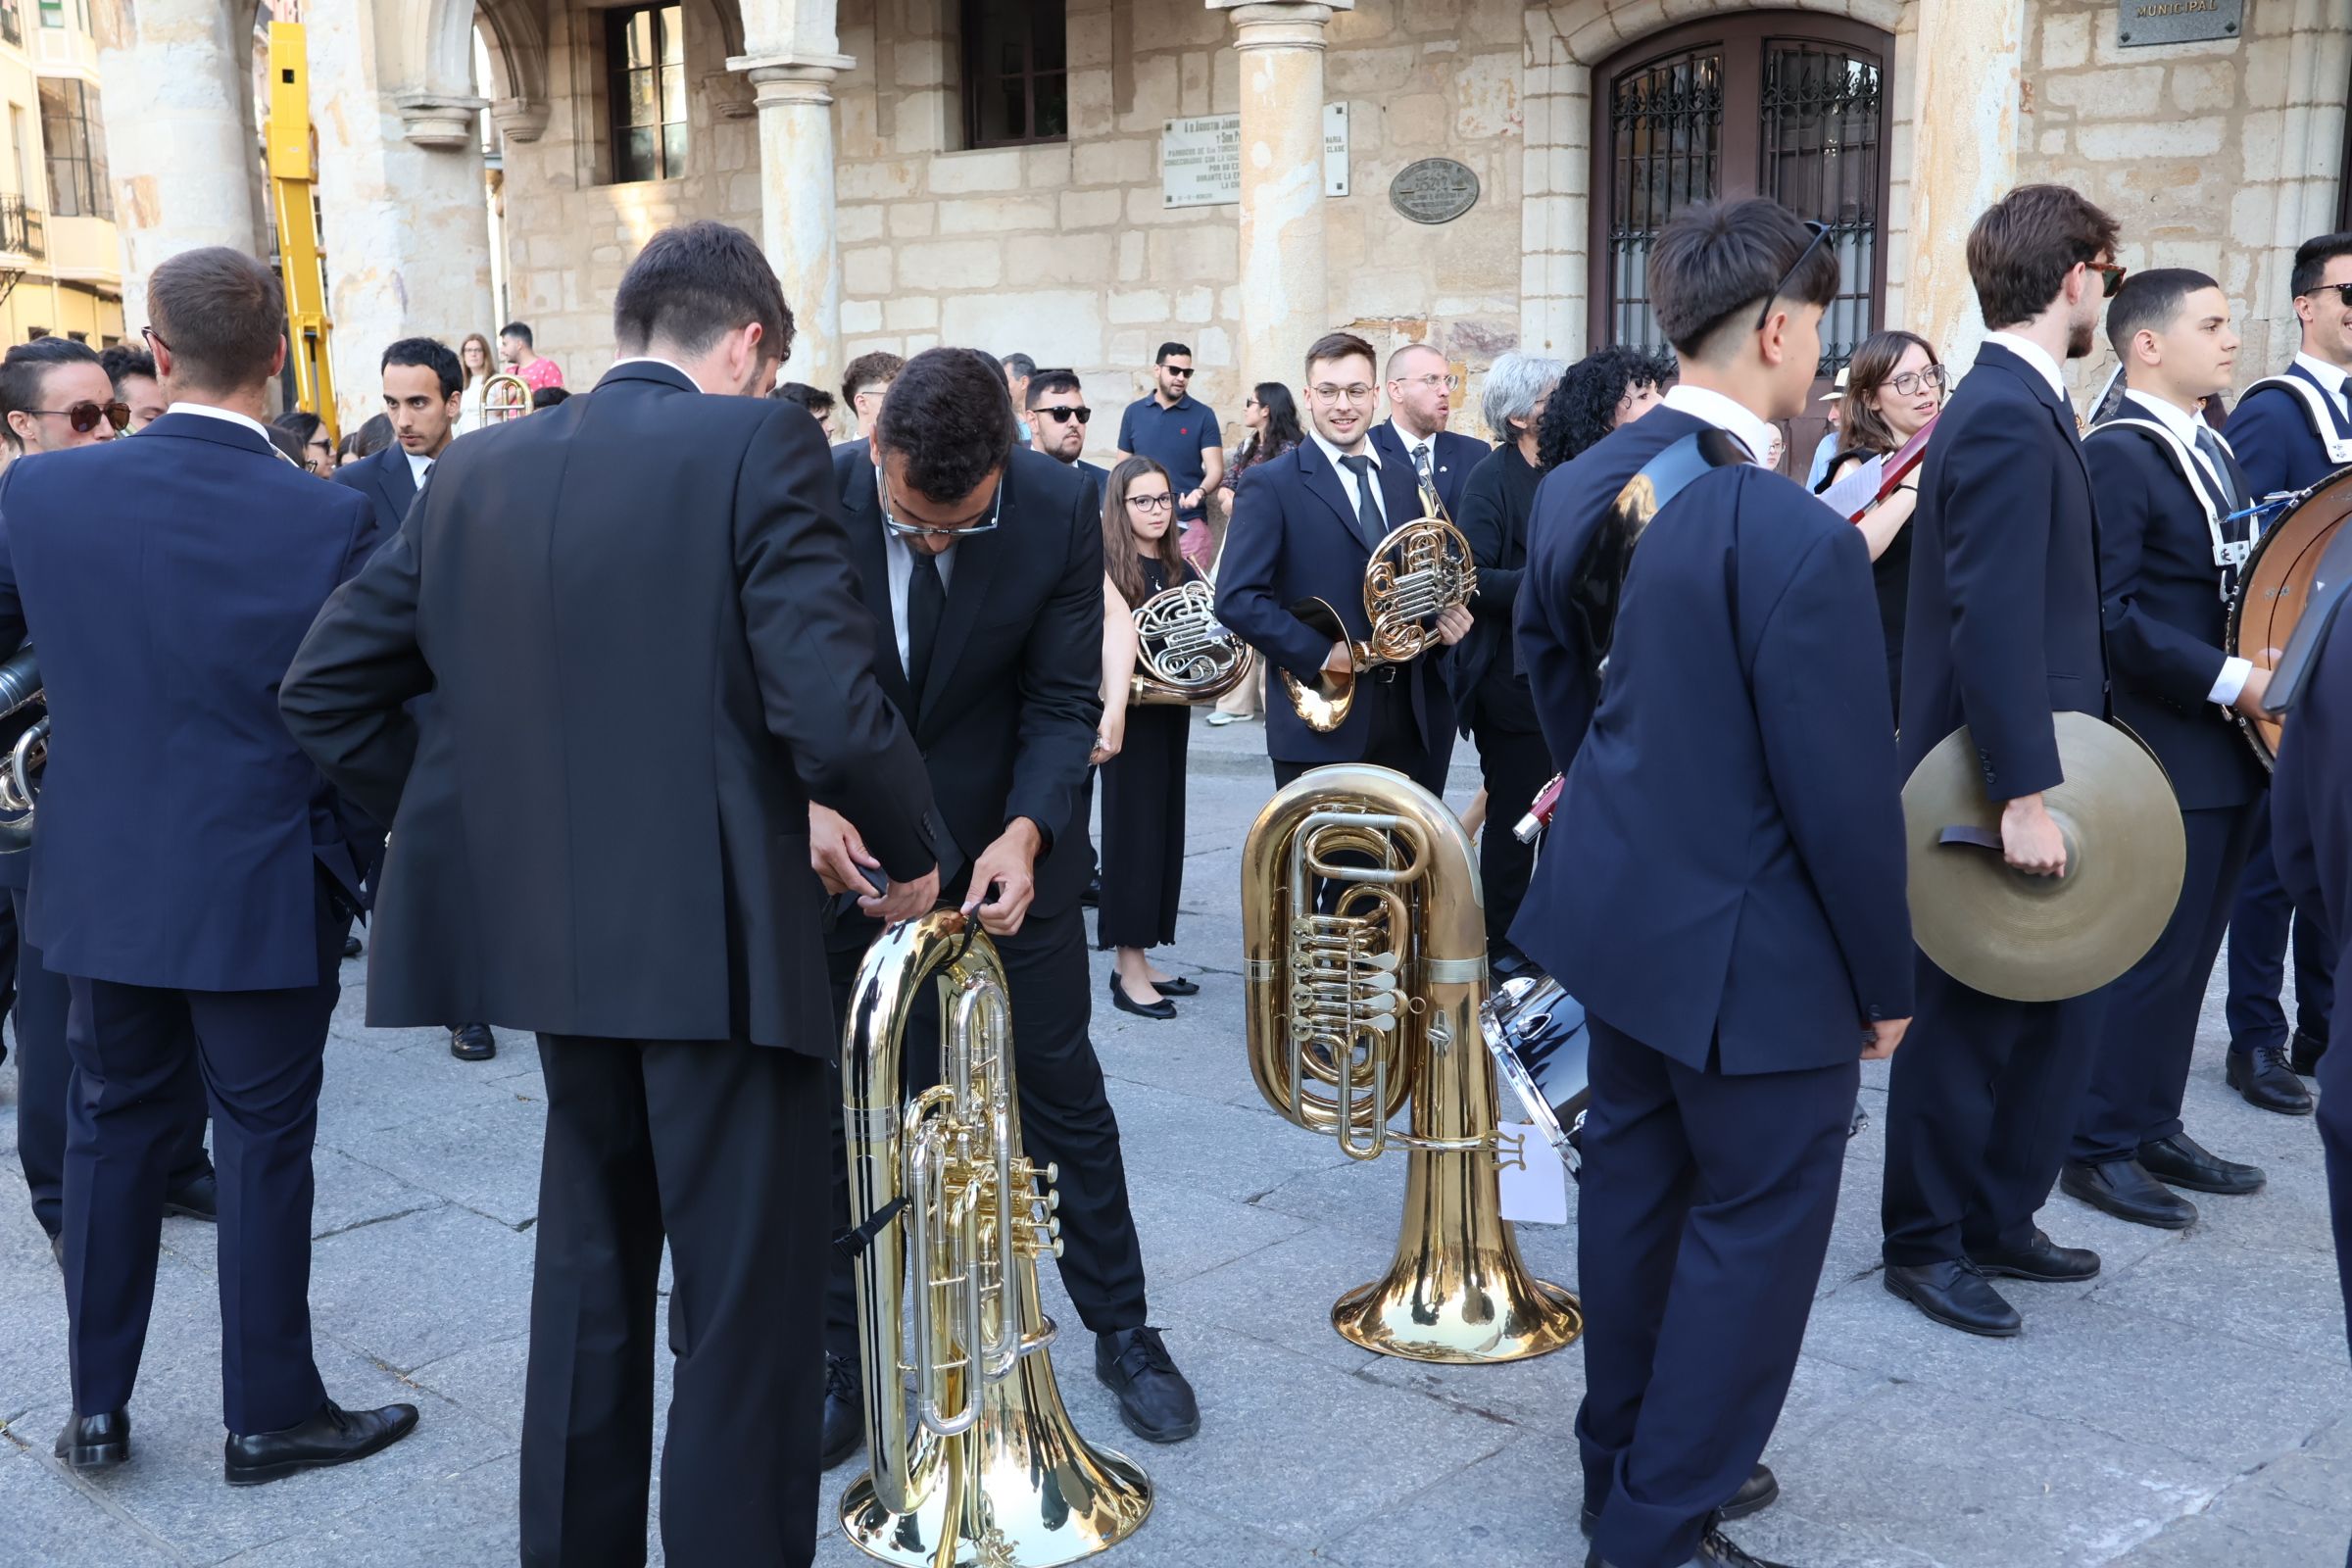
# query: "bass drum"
{"points": [[2275, 585], [1536, 1032]]}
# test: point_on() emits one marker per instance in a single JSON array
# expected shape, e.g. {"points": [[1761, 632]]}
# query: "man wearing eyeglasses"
{"points": [[1178, 431], [58, 396], [1420, 402], [1058, 420]]}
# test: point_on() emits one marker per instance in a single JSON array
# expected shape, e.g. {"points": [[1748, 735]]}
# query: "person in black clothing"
{"points": [[1894, 385], [1601, 391], [1143, 786]]}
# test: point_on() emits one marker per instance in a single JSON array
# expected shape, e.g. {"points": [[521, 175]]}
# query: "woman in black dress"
{"points": [[1143, 786]]}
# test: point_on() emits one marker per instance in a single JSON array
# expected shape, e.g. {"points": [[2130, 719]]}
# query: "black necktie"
{"points": [[2211, 446], [926, 601], [1367, 508]]}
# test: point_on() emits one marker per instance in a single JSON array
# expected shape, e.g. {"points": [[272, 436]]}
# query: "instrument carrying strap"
{"points": [[2315, 408], [852, 1242], [2230, 554], [1599, 582]]}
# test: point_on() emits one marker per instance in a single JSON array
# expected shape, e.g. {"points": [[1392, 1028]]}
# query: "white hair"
{"points": [[1515, 384]]}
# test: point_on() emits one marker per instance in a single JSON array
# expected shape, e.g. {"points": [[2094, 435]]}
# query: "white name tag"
{"points": [[1535, 1184]]}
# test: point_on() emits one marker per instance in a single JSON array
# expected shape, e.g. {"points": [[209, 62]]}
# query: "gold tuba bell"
{"points": [[1185, 655], [505, 396], [1417, 571], [1358, 1012], [986, 1469]]}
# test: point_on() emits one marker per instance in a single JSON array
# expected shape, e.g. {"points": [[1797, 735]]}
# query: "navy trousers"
{"points": [[260, 1054], [2334, 1116], [1980, 1109], [1701, 1223], [2151, 1032], [2259, 925]]}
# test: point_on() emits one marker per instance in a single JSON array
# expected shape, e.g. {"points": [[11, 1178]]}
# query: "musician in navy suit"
{"points": [[1304, 527], [1723, 886], [2291, 432], [2168, 486], [2003, 628], [1420, 387], [191, 875]]}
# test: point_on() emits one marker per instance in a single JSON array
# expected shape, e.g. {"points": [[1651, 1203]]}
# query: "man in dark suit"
{"points": [[1723, 890], [634, 614], [1304, 527], [981, 566], [190, 875], [2167, 486], [1058, 420], [2289, 432], [1420, 402], [2003, 628]]}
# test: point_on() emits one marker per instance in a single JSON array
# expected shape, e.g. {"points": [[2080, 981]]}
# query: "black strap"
{"points": [[1599, 581], [851, 1243]]}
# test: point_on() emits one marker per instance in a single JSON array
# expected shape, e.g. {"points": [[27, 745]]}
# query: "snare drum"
{"points": [[1536, 1032]]}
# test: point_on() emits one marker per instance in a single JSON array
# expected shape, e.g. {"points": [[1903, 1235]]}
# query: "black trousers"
{"points": [[1065, 1118], [1395, 738], [2334, 1115], [2259, 944], [1516, 764], [1979, 1108], [261, 1055], [2151, 1032], [718, 1147], [1701, 1222]]}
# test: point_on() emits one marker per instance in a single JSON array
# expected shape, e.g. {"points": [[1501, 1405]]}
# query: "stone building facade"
{"points": [[842, 132]]}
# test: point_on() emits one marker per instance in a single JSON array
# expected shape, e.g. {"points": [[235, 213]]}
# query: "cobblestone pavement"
{"points": [[2187, 1409]]}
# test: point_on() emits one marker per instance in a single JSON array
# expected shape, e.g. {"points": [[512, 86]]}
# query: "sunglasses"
{"points": [[1821, 231], [84, 416], [1063, 415], [2342, 292], [2111, 276], [1178, 370]]}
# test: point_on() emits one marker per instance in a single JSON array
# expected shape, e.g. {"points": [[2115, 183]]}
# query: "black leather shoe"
{"points": [[1154, 1399], [2182, 1161], [2040, 1260], [1092, 895], [2304, 1054], [351, 947], [1718, 1550], [199, 1197], [845, 1412], [2263, 1076], [95, 1442], [1759, 1492], [1179, 986], [2125, 1188], [1955, 1295], [334, 1436], [473, 1042], [1162, 1010]]}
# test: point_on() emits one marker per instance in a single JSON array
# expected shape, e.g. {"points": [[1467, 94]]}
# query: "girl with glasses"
{"points": [[473, 357]]}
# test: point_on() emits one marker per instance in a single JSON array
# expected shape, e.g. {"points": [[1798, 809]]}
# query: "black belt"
{"points": [[1384, 674]]}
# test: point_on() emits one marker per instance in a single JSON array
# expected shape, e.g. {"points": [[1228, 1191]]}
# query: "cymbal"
{"points": [[2038, 938]]}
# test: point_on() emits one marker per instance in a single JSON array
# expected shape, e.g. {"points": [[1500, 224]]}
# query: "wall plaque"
{"points": [[2149, 22], [1200, 158], [1434, 190]]}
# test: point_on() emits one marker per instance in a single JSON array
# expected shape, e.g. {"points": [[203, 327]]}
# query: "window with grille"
{"points": [[644, 54], [76, 147], [1015, 73]]}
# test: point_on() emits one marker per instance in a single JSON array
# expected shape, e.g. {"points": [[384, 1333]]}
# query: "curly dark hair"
{"points": [[948, 415], [1584, 406]]}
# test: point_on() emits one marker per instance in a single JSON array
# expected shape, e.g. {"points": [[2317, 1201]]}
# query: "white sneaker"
{"points": [[1220, 718]]}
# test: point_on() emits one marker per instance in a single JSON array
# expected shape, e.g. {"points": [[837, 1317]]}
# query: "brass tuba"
{"points": [[1358, 1012], [21, 772], [1184, 655], [987, 1468], [1417, 571], [505, 396]]}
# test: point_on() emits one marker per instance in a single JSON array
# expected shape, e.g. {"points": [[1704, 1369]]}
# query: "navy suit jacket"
{"points": [[2271, 432], [1097, 480], [2165, 619], [384, 478], [1724, 878], [2002, 626], [1452, 457], [167, 581], [2311, 810], [1295, 536]]}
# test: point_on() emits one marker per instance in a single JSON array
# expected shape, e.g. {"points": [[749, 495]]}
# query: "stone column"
{"points": [[1285, 304], [793, 93], [1964, 129], [174, 78]]}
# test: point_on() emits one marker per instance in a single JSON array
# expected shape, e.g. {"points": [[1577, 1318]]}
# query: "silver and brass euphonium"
{"points": [[1419, 569], [1184, 656], [985, 1469], [1368, 1002], [20, 772]]}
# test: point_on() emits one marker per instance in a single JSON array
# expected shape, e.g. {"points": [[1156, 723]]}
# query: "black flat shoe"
{"points": [[2040, 1260], [1759, 1492], [197, 1198], [1162, 1010], [334, 1436], [1179, 986], [2303, 1055], [351, 947], [1090, 896], [2125, 1188], [2266, 1081], [2182, 1161], [1154, 1399], [96, 1441], [473, 1042], [1955, 1295], [844, 1413]]}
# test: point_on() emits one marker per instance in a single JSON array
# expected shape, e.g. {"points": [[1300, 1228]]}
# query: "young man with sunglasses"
{"points": [[2003, 627], [1058, 420], [1178, 431], [58, 396]]}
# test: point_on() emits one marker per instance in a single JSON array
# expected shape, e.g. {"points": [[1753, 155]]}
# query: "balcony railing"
{"points": [[23, 228]]}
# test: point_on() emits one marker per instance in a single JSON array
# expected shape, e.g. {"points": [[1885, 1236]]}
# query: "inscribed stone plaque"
{"points": [[1200, 161], [2147, 22], [1434, 190], [1335, 149]]}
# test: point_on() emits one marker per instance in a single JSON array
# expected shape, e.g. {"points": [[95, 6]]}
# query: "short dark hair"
{"points": [[816, 399], [1584, 406], [950, 417], [1339, 346], [2311, 257], [696, 282], [1715, 261], [1019, 365], [24, 371], [301, 422], [518, 329], [547, 396], [2151, 301], [430, 354], [373, 436], [288, 444], [1166, 349], [866, 370], [2022, 247], [222, 314], [122, 360], [1046, 382]]}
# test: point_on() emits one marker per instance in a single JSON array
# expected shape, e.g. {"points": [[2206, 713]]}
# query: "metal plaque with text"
{"points": [[1434, 190], [2151, 21]]}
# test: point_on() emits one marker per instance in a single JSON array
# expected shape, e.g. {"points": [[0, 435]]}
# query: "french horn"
{"points": [[1417, 571], [1185, 655], [21, 772]]}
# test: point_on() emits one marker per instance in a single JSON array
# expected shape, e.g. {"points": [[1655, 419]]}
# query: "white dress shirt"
{"points": [[2330, 377], [1338, 461], [1417, 448], [1728, 414], [899, 556], [2037, 356], [419, 468], [230, 414], [2184, 426]]}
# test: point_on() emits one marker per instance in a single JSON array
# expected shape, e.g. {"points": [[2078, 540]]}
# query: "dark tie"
{"points": [[2211, 446], [926, 601], [1367, 509]]}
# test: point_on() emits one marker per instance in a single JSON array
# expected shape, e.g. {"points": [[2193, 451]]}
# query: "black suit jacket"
{"points": [[1496, 503], [2163, 613], [1452, 457], [636, 618], [385, 479], [2002, 626], [1008, 716]]}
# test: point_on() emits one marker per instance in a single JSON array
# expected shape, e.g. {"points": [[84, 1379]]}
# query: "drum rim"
{"points": [[2238, 601], [1523, 1082]]}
